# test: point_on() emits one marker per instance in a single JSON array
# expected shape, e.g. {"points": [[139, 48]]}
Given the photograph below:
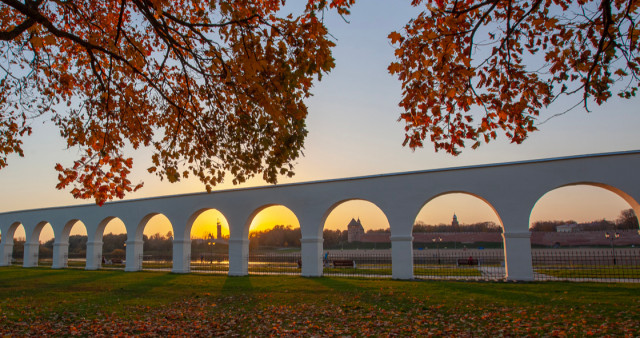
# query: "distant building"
{"points": [[454, 224], [568, 228], [355, 231]]}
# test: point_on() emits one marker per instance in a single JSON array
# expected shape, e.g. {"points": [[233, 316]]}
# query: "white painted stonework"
{"points": [[511, 189]]}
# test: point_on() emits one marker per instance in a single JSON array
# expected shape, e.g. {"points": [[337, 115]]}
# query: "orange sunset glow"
{"points": [[272, 216], [206, 224]]}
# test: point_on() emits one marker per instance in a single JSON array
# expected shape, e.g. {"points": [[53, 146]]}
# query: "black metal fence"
{"points": [[76, 261], [357, 263], [156, 262], [561, 264], [274, 263], [473, 264], [45, 262], [211, 263], [114, 262], [587, 264]]}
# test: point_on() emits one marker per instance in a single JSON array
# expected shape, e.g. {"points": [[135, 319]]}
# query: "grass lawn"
{"points": [[591, 272], [41, 301]]}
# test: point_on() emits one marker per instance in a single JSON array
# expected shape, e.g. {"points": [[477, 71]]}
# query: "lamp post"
{"points": [[212, 243], [437, 241], [611, 237]]}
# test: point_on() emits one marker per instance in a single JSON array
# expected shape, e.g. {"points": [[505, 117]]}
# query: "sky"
{"points": [[353, 131]]}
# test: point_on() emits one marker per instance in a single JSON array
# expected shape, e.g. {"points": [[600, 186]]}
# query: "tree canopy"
{"points": [[218, 86], [508, 59], [211, 86]]}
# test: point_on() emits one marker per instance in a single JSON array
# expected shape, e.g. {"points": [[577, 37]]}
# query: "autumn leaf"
{"points": [[209, 88], [481, 57]]}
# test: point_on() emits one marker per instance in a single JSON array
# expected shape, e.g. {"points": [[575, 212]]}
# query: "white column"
{"points": [[31, 255], [238, 256], [94, 255], [59, 257], [134, 256], [517, 256], [402, 257], [181, 256], [6, 252], [312, 256]]}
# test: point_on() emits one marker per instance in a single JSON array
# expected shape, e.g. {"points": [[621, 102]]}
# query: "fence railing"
{"points": [[45, 262], [473, 264], [112, 262], [211, 263], [357, 263], [587, 264], [274, 263], [559, 264], [14, 260], [156, 262]]}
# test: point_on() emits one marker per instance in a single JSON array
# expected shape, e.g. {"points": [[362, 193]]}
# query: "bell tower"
{"points": [[454, 223]]}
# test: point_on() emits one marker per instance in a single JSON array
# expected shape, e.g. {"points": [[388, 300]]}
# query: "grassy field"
{"points": [[41, 301], [591, 272]]}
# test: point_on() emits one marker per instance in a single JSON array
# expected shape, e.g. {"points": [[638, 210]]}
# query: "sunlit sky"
{"points": [[353, 131]]}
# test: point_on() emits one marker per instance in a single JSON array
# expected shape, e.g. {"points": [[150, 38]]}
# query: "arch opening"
{"points": [[74, 236], [585, 231], [274, 241], [208, 232], [44, 237], [157, 237], [357, 240], [17, 236], [112, 236], [458, 235]]}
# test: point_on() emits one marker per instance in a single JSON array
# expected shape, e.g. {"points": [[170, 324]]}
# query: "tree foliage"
{"points": [[420, 226], [508, 59], [627, 220], [279, 236], [210, 86], [218, 86], [158, 245]]}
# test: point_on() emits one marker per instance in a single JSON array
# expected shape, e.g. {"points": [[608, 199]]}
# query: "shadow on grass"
{"points": [[146, 282], [538, 293], [50, 278], [237, 284], [335, 284], [17, 274]]}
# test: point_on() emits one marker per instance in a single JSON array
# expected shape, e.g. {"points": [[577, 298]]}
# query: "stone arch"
{"points": [[34, 237], [489, 204], [361, 252], [66, 230], [97, 237], [456, 254], [61, 245], [96, 247], [12, 231], [206, 254], [160, 260], [32, 245], [337, 204], [194, 216], [252, 216], [9, 254], [617, 191], [270, 260], [555, 252]]}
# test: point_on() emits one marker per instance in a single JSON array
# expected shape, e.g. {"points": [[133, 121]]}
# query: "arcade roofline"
{"points": [[345, 179]]}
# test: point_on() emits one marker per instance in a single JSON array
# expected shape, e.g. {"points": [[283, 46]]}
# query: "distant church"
{"points": [[454, 224], [355, 231], [219, 239]]}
